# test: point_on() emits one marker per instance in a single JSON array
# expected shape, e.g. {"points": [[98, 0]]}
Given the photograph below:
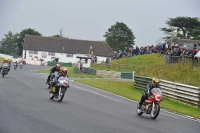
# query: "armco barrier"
{"points": [[141, 82], [67, 64], [180, 92], [126, 75], [51, 63]]}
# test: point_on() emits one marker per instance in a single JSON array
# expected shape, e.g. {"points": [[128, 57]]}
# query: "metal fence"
{"points": [[182, 59], [180, 92]]}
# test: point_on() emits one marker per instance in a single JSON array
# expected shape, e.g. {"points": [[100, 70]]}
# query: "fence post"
{"points": [[199, 99], [133, 76]]}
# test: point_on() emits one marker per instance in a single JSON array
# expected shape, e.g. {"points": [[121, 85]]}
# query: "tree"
{"points": [[57, 36], [9, 43], [61, 32], [197, 37], [20, 41], [61, 35], [187, 27], [119, 36]]}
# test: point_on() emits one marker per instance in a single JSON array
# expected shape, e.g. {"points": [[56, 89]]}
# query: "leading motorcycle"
{"points": [[151, 105], [58, 90], [4, 69]]}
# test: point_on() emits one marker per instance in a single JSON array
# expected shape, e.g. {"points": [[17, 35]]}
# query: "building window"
{"points": [[51, 53], [33, 52], [69, 55]]}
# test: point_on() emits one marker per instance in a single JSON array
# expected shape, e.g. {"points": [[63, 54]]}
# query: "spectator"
{"points": [[194, 56], [95, 58], [107, 62], [166, 46], [187, 52], [175, 50]]}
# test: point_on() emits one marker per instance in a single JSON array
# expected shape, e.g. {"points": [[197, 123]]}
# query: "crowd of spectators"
{"points": [[180, 52], [177, 52], [134, 51]]}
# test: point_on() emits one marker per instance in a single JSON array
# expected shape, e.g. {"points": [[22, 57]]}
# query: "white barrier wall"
{"points": [[9, 57]]}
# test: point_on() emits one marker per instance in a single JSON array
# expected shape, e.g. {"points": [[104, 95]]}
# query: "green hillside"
{"points": [[152, 65]]}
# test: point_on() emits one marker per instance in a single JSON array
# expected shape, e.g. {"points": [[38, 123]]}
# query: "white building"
{"points": [[37, 48]]}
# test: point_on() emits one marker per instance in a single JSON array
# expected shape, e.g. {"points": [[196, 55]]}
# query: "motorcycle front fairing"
{"points": [[4, 68], [63, 81]]}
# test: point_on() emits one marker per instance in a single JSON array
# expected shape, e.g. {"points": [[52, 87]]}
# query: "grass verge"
{"points": [[152, 65], [72, 74], [126, 89]]}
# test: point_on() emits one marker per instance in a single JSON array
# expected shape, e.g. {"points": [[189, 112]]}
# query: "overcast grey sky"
{"points": [[90, 19]]}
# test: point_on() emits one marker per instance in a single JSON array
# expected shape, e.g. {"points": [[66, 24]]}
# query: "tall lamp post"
{"points": [[174, 34]]}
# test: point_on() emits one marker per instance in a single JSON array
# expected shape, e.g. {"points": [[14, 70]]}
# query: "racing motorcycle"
{"points": [[15, 66], [50, 83], [4, 69], [58, 90], [151, 105], [20, 65]]}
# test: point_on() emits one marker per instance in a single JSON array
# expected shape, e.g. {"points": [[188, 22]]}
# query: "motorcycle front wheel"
{"points": [[61, 94], [155, 111]]}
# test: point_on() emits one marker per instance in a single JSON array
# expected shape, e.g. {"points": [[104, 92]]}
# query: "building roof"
{"points": [[63, 45]]}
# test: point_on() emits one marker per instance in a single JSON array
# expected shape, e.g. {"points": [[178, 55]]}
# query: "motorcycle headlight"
{"points": [[65, 83], [158, 100]]}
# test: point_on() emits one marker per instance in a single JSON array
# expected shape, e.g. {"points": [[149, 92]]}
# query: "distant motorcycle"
{"points": [[20, 65], [4, 69], [58, 90], [15, 66], [152, 104]]}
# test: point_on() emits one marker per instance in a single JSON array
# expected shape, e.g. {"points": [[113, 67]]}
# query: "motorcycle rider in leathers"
{"points": [[54, 69], [62, 73], [16, 64], [147, 91], [6, 60]]}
